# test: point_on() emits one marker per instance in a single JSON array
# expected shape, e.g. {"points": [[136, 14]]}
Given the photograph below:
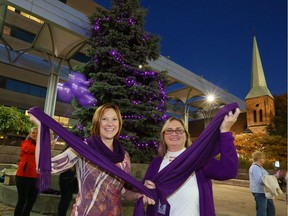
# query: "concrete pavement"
{"points": [[230, 200]]}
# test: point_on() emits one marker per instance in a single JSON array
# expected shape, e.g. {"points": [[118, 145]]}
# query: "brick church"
{"points": [[260, 108]]}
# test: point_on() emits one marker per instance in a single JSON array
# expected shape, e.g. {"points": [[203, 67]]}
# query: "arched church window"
{"points": [[261, 115], [255, 115]]}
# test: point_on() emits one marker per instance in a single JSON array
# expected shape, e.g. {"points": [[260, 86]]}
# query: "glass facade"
{"points": [[22, 87]]}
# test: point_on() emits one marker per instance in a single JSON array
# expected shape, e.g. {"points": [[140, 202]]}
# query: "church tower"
{"points": [[260, 108]]}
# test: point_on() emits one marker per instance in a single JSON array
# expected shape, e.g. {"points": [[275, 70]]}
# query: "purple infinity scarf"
{"points": [[116, 156], [167, 180]]}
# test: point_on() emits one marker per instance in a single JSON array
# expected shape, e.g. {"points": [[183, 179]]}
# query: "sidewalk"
{"points": [[232, 198], [6, 210]]}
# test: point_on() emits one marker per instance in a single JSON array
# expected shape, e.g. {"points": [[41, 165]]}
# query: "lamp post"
{"points": [[209, 109], [186, 116]]}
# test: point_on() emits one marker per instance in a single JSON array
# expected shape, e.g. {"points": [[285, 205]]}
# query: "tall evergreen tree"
{"points": [[279, 122], [119, 73]]}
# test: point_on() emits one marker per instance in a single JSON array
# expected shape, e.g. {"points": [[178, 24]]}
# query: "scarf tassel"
{"points": [[44, 180]]}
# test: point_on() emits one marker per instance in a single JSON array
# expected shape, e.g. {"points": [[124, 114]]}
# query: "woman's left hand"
{"points": [[229, 120]]}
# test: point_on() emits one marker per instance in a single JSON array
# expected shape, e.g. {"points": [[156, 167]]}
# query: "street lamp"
{"points": [[210, 98], [209, 108]]}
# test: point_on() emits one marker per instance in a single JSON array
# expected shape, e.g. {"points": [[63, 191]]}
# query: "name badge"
{"points": [[162, 209]]}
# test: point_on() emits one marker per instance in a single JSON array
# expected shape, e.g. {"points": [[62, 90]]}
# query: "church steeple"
{"points": [[258, 83], [260, 108]]}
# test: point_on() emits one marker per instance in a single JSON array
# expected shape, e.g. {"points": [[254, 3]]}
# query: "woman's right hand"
{"points": [[229, 121], [34, 120], [149, 184]]}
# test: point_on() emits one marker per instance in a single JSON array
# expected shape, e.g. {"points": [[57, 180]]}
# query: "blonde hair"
{"points": [[95, 127], [31, 130], [257, 155], [163, 146]]}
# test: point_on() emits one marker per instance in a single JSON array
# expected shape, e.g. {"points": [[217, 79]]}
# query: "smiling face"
{"points": [[102, 115], [174, 136], [33, 133], [109, 124]]}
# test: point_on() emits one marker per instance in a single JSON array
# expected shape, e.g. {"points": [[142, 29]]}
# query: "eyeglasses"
{"points": [[170, 131]]}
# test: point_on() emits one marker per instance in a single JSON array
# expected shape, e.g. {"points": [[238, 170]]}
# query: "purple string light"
{"points": [[133, 139]]}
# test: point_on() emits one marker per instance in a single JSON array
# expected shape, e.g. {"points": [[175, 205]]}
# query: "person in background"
{"points": [[26, 175], [264, 206], [67, 186], [195, 196], [280, 174], [99, 192]]}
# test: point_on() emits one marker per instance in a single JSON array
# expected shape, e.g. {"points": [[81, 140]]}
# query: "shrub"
{"points": [[13, 121]]}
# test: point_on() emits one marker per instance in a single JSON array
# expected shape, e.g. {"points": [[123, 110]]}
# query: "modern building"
{"points": [[41, 41]]}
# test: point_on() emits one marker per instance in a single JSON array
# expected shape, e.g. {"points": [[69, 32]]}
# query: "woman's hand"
{"points": [[35, 121], [229, 120], [149, 184], [146, 200], [130, 195]]}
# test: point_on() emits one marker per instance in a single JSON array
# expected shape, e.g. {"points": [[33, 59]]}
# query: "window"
{"points": [[37, 91], [255, 116], [22, 34], [11, 85], [22, 87], [81, 57], [65, 122], [261, 115]]}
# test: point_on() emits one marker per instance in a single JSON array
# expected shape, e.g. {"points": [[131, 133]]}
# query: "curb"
{"points": [[235, 182]]}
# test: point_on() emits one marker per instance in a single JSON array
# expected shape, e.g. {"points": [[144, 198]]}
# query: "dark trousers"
{"points": [[27, 194], [67, 186]]}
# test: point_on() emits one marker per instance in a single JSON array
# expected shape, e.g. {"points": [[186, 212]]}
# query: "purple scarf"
{"points": [[170, 178], [167, 180], [44, 165], [44, 160], [118, 150]]}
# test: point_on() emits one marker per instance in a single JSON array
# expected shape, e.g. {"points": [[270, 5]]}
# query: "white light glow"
{"points": [[210, 98]]}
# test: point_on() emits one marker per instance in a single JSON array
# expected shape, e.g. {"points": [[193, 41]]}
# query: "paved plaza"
{"points": [[230, 200]]}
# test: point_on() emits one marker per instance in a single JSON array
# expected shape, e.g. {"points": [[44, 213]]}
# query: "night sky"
{"points": [[214, 39]]}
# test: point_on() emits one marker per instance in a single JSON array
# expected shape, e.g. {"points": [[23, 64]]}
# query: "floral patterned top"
{"points": [[99, 193]]}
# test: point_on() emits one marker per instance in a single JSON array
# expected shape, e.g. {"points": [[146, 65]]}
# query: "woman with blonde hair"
{"points": [[264, 206], [26, 175], [194, 196]]}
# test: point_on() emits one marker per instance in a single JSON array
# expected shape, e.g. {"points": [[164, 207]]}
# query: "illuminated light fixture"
{"points": [[210, 98]]}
